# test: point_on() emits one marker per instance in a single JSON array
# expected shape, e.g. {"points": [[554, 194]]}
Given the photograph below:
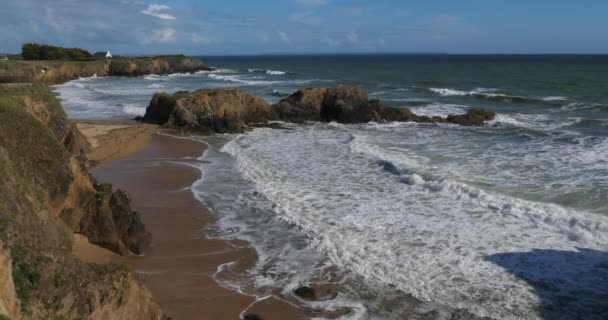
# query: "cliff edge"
{"points": [[47, 195], [56, 72]]}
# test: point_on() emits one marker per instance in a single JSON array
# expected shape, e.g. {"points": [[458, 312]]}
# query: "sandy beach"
{"points": [[179, 264]]}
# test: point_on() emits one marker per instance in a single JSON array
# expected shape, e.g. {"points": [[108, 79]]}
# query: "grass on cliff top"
{"points": [[33, 162]]}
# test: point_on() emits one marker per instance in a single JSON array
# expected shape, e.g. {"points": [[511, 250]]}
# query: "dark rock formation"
{"points": [[252, 316], [165, 65], [303, 105], [208, 111], [306, 293], [232, 110], [112, 224], [473, 117], [342, 104]]}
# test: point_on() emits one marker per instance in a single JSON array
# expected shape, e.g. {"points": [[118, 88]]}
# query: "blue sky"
{"points": [[210, 27]]}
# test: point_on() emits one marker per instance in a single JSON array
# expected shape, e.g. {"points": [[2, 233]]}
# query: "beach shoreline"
{"points": [[179, 264]]}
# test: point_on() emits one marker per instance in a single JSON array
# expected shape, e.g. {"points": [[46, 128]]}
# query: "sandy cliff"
{"points": [[47, 195]]}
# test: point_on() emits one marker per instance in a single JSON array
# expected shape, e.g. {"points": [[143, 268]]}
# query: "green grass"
{"points": [[25, 274]]}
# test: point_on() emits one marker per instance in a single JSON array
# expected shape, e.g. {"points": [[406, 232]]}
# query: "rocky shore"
{"points": [[50, 203], [56, 72], [232, 110]]}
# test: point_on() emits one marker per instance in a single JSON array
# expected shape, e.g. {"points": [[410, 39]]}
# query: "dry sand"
{"points": [[179, 264], [111, 140]]}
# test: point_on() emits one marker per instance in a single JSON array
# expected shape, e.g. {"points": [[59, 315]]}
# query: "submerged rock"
{"points": [[306, 293], [473, 117]]}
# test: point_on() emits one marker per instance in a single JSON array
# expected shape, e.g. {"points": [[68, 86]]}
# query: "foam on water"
{"points": [[268, 72], [370, 212], [439, 109], [134, 109], [494, 95]]}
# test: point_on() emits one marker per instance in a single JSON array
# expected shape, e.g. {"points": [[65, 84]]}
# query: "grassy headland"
{"points": [[46, 195]]}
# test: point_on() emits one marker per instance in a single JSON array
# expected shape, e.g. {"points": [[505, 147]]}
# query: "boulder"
{"points": [[111, 223], [343, 104], [208, 111], [306, 293], [473, 117], [303, 105]]}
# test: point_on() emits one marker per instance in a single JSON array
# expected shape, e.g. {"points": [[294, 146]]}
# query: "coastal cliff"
{"points": [[46, 196], [232, 110], [56, 72]]}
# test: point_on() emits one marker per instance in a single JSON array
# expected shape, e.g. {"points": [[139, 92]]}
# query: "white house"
{"points": [[102, 54], [3, 57]]}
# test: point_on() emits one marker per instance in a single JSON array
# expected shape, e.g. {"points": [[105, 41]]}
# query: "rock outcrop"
{"points": [[473, 117], [342, 104], [208, 111], [232, 110], [56, 72], [47, 195]]}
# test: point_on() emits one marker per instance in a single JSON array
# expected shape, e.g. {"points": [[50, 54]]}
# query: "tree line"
{"points": [[35, 51]]}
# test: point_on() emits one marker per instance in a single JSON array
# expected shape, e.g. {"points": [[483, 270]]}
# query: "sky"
{"points": [[246, 27]]}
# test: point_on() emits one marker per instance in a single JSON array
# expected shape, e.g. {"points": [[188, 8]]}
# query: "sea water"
{"points": [[404, 220]]}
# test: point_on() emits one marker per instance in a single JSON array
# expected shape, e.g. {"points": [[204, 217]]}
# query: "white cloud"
{"points": [[283, 36], [162, 36], [352, 37], [306, 17], [264, 38], [156, 10], [313, 3], [333, 42], [200, 39], [354, 12]]}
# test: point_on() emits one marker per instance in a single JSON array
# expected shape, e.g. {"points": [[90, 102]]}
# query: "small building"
{"points": [[3, 57], [102, 54]]}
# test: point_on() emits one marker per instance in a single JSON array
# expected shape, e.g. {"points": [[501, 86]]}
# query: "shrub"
{"points": [[35, 51]]}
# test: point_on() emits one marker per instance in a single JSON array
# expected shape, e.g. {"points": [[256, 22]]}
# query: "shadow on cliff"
{"points": [[569, 284]]}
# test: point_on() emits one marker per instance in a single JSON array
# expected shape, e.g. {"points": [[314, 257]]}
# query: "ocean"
{"points": [[407, 220]]}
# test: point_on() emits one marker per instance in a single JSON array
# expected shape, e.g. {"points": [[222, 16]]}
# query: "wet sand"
{"points": [[180, 262]]}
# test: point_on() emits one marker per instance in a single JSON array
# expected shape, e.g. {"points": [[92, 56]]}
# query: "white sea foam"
{"points": [[554, 98], [248, 81], [439, 109], [134, 109], [432, 237], [275, 72], [268, 72]]}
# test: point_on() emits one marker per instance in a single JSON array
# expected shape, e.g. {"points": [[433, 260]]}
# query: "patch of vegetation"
{"points": [[25, 274], [35, 51], [3, 317]]}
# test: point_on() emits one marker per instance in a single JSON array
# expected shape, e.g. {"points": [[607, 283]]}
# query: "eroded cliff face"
{"points": [[56, 72], [9, 303], [47, 195]]}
